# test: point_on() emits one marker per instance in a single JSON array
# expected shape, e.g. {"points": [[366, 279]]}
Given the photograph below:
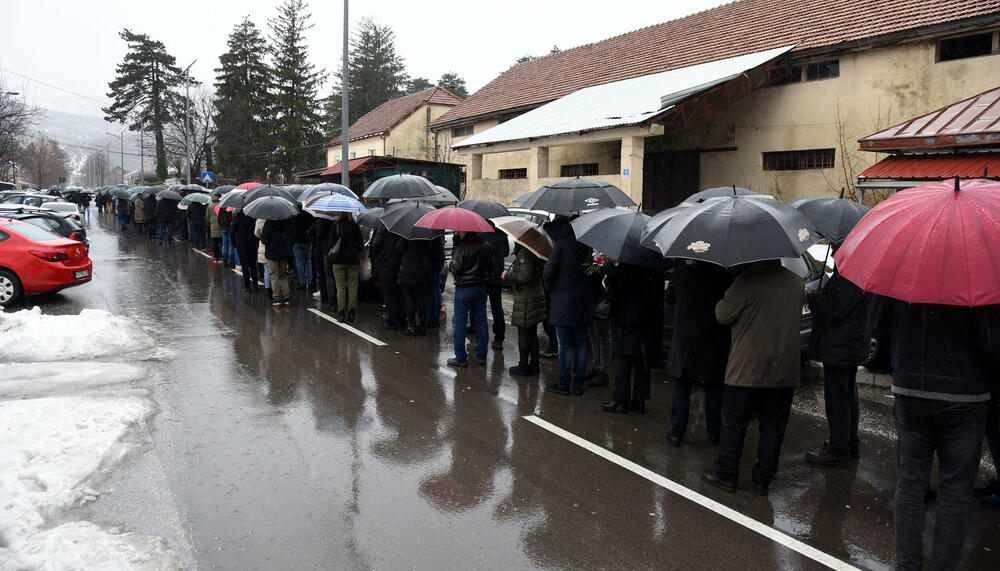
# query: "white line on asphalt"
{"points": [[357, 332], [203, 253], [728, 513]]}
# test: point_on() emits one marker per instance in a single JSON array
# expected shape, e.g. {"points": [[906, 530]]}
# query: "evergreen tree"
{"points": [[418, 84], [377, 74], [142, 92], [453, 83], [298, 133], [243, 105]]}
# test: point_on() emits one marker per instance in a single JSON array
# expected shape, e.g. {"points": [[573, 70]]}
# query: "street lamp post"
{"points": [[187, 105], [345, 144], [121, 140]]}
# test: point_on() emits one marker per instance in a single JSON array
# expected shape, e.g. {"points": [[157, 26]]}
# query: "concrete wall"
{"points": [[410, 139]]}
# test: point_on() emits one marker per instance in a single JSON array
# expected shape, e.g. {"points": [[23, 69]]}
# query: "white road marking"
{"points": [[357, 332], [703, 501], [209, 256]]}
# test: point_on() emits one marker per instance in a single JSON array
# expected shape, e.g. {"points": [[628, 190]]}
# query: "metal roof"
{"points": [[970, 122], [620, 103], [965, 165]]}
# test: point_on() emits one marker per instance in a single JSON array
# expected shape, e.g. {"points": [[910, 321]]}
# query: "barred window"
{"points": [[799, 160], [513, 173], [587, 169], [823, 70], [966, 46], [786, 75]]}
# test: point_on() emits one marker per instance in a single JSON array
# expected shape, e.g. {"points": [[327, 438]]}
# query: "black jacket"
{"points": [[349, 234], [385, 251], [415, 265], [196, 211], [840, 334], [243, 237], [499, 249], [570, 304], [943, 352], [471, 261], [301, 223], [225, 219], [699, 346], [278, 239], [166, 211]]}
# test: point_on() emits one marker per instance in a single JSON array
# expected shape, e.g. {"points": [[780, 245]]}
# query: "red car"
{"points": [[35, 260]]}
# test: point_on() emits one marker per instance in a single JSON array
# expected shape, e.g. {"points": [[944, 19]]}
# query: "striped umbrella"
{"points": [[336, 203]]}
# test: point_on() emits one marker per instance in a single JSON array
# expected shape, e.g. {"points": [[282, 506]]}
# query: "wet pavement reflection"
{"points": [[285, 441]]}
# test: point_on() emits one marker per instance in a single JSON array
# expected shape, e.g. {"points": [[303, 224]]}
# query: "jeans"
{"points": [[599, 335], [470, 298], [303, 262], [954, 430], [680, 408], [229, 249], [267, 277], [166, 232], [496, 309], [85, 213], [572, 355], [840, 390], [347, 286], [773, 406], [196, 229]]}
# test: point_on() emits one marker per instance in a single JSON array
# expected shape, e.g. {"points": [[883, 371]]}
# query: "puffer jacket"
{"points": [[525, 277], [471, 261], [212, 218]]}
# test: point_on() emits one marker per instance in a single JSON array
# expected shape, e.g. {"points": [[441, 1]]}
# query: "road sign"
{"points": [[625, 172], [207, 177]]}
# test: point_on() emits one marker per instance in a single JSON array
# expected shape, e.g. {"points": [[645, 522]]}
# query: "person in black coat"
{"points": [[414, 270], [570, 309], [343, 248], [471, 263], [555, 229], [302, 249], [318, 232], [841, 340], [386, 251], [699, 346], [196, 224], [278, 237], [152, 225], [166, 217], [432, 314], [246, 249], [499, 249]]}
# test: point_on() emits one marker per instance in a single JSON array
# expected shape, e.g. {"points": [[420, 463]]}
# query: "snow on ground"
{"points": [[39, 379], [28, 335], [59, 436]]}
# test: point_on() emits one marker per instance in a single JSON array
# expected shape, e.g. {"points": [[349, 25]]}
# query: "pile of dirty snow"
{"points": [[30, 336], [39, 379]]}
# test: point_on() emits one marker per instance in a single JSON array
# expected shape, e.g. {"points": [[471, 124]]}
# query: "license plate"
{"points": [[81, 274]]}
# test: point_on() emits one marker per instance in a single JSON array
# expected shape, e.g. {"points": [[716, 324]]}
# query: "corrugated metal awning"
{"points": [[620, 103], [934, 167]]}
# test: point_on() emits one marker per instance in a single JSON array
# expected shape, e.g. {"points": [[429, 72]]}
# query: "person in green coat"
{"points": [[214, 230], [525, 276]]}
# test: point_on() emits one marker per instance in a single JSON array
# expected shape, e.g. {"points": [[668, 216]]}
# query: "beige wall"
{"points": [[876, 89], [410, 139]]}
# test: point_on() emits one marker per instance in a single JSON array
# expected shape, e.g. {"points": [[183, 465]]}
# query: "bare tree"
{"points": [[201, 131], [43, 161], [15, 119]]}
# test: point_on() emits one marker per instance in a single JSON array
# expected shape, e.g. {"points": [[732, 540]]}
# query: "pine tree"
{"points": [[453, 83], [418, 84], [377, 74], [243, 105], [142, 92], [298, 130]]}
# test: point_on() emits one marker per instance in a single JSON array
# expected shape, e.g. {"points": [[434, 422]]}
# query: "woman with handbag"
{"points": [[344, 244], [525, 277]]}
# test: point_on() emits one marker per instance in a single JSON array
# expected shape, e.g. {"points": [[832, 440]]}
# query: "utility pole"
{"points": [[121, 139], [142, 158], [345, 172], [187, 106]]}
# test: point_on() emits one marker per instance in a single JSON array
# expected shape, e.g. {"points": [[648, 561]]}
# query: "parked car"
{"points": [[54, 221], [34, 260], [67, 209], [536, 216], [31, 199]]}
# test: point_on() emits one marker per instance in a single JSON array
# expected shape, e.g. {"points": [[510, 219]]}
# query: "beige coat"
{"points": [[764, 308], [257, 228], [139, 210]]}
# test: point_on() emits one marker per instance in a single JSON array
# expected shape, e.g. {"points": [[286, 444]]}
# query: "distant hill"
{"points": [[82, 135]]}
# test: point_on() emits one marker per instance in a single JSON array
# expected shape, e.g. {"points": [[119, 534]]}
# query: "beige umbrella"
{"points": [[525, 233]]}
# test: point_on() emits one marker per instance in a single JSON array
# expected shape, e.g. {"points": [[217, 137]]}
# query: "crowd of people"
{"points": [[736, 334]]}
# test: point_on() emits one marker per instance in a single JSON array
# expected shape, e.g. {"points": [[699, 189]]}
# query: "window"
{"points": [[371, 151], [823, 70], [3, 235], [461, 131], [354, 154], [966, 46], [799, 160], [588, 169], [786, 75], [336, 159], [513, 173]]}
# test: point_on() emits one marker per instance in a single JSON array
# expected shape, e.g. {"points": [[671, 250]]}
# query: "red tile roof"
{"points": [[391, 113], [922, 167], [353, 165], [732, 29], [970, 122]]}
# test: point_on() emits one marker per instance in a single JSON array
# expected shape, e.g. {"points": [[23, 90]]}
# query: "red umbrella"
{"points": [[247, 186], [935, 243], [453, 218]]}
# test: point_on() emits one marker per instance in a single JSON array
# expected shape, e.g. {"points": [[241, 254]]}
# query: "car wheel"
{"points": [[10, 289]]}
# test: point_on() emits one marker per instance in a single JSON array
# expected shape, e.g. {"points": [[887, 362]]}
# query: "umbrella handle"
{"points": [[823, 275]]}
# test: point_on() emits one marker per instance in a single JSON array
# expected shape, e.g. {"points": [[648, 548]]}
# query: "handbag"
{"points": [[602, 309]]}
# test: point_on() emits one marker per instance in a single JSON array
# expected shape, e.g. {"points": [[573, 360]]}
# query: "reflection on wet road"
{"points": [[286, 441]]}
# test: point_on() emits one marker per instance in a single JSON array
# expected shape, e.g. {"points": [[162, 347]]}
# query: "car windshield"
{"points": [[60, 206], [32, 232]]}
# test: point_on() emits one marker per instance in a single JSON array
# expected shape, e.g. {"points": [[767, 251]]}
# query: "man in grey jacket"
{"points": [[764, 309]]}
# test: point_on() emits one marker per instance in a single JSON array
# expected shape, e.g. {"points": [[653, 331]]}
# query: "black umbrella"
{"points": [[266, 190], [576, 194], [220, 190], [233, 199], [616, 232], [732, 231], [523, 197], [721, 192], [296, 190], [192, 188], [401, 219], [271, 208], [370, 217], [168, 195], [400, 186], [834, 218], [485, 208], [150, 191], [120, 193]]}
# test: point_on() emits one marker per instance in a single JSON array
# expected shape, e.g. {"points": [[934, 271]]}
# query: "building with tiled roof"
{"points": [[398, 127], [768, 94]]}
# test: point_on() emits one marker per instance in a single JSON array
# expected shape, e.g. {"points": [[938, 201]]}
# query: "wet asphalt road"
{"points": [[283, 441]]}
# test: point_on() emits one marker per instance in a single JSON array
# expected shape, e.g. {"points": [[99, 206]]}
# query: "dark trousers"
{"points": [[842, 410], [391, 298], [993, 430], [331, 283], [166, 232], [954, 430], [216, 246], [433, 313], [470, 299], [572, 355], [182, 229], [599, 335], [493, 291], [630, 370], [772, 406], [550, 330], [415, 303], [527, 347], [320, 272], [680, 408], [249, 268]]}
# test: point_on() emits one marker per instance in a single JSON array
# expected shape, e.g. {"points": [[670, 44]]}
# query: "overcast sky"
{"points": [[75, 45]]}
